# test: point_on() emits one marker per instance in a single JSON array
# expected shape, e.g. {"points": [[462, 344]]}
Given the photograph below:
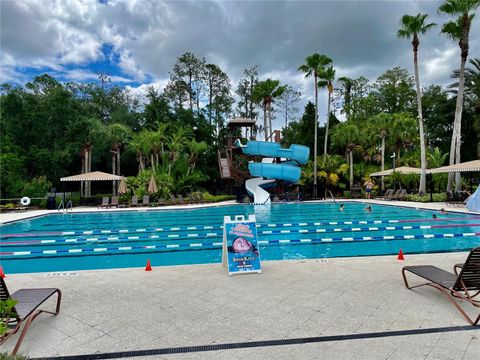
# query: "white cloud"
{"points": [[140, 92], [148, 35]]}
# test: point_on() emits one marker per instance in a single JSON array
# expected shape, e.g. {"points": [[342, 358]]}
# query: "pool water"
{"points": [[103, 240]]}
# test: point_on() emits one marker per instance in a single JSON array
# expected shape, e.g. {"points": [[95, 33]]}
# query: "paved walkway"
{"points": [[130, 309]]}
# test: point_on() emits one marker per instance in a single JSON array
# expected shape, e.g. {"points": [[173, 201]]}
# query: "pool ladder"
{"points": [[65, 208], [331, 195]]}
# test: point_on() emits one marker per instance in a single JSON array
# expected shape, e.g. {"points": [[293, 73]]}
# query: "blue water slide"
{"points": [[295, 152], [266, 173], [283, 172]]}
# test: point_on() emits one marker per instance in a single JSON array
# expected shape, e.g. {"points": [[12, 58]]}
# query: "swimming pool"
{"points": [[65, 242]]}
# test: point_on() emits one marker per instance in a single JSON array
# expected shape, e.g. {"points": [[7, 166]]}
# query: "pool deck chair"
{"points": [[26, 310], [105, 202], [114, 201], [464, 286], [388, 193], [146, 200], [400, 195], [134, 201]]}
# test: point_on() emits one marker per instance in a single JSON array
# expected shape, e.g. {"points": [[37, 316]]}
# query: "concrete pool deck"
{"points": [[130, 310], [336, 308]]}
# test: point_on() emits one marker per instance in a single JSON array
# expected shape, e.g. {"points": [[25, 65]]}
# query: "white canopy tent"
{"points": [[92, 176], [400, 170], [462, 167]]}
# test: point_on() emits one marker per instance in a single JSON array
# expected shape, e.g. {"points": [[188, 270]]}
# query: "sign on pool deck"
{"points": [[240, 248]]}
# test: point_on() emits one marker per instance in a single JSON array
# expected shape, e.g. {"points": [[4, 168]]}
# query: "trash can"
{"points": [[51, 203]]}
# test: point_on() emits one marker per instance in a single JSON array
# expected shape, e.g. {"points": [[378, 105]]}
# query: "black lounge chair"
{"points": [[134, 201], [456, 198], [400, 195], [114, 201], [173, 200], [464, 286], [180, 199], [105, 202], [26, 310], [387, 195]]}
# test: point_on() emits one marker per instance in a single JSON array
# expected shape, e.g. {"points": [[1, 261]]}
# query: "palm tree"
{"points": [[347, 135], [91, 130], [326, 80], [195, 148], [314, 64], [378, 126], [411, 27], [175, 146], [140, 144], [264, 93], [472, 89], [458, 30], [118, 135], [347, 86]]}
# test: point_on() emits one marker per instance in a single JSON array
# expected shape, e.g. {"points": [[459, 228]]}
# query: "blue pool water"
{"points": [[65, 242]]}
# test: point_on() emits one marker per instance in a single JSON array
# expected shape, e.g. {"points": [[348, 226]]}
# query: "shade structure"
{"points": [[400, 170], [462, 167], [152, 186], [473, 202], [122, 188], [92, 176]]}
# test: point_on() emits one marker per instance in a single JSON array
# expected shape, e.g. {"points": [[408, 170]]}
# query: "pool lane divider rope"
{"points": [[186, 236], [219, 244], [211, 227]]}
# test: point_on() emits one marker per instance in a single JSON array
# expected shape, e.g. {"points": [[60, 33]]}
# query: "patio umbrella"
{"points": [[122, 188], [152, 186], [400, 170]]}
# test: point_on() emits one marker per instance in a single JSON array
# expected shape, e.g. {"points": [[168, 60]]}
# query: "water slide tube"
{"points": [[266, 173]]}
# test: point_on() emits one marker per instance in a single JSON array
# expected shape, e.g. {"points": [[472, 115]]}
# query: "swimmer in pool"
{"points": [[341, 208], [368, 208]]}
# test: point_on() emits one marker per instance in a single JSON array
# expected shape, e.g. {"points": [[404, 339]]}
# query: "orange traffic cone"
{"points": [[400, 255], [148, 267], [2, 274]]}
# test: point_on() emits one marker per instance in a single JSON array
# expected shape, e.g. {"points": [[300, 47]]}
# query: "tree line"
{"points": [[51, 129]]}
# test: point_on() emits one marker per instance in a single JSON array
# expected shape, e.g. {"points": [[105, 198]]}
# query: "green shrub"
{"points": [[5, 356], [6, 307], [39, 186], [440, 197]]}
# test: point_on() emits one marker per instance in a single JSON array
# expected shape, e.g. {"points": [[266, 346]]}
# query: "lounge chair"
{"points": [[146, 200], [464, 286], [134, 201], [456, 198], [192, 199], [180, 198], [387, 195], [114, 201], [400, 194], [26, 310], [173, 199], [105, 202]]}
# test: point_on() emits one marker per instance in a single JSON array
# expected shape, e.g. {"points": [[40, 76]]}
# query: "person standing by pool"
{"points": [[368, 187]]}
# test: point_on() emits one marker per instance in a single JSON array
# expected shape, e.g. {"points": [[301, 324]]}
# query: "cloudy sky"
{"points": [[137, 42]]}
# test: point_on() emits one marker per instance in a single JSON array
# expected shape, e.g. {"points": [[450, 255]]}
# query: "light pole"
{"points": [[393, 174]]}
